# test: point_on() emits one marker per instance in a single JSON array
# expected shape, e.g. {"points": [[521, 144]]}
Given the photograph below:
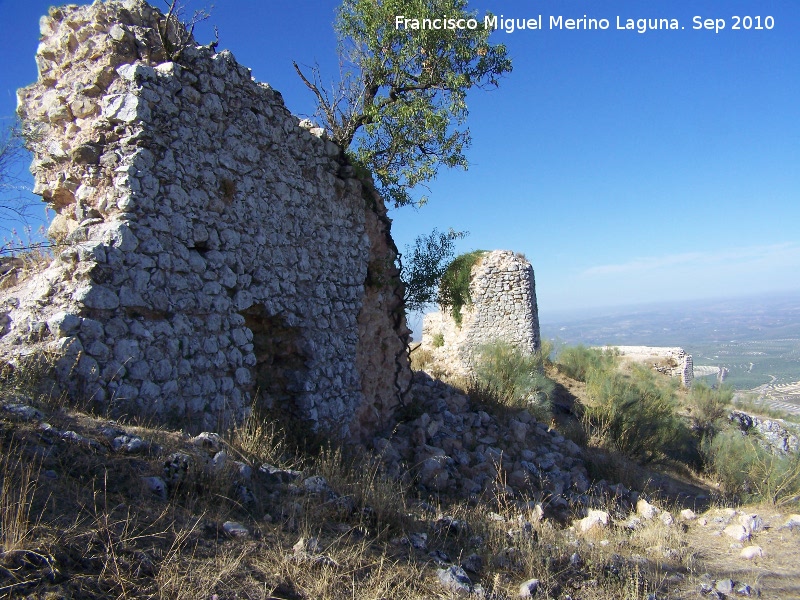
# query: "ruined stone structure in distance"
{"points": [[503, 308], [214, 250], [671, 361]]}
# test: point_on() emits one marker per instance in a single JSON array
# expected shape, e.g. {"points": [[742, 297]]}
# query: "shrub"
{"points": [[454, 287], [708, 405], [748, 470], [438, 340], [420, 358], [635, 415], [514, 378], [578, 362]]}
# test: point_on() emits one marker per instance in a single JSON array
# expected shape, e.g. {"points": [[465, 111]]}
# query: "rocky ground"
{"points": [[461, 501]]}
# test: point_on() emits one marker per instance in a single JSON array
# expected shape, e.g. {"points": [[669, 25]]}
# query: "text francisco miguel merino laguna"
{"points": [[510, 25]]}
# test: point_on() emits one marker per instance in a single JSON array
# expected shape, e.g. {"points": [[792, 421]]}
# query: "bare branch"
{"points": [[177, 34]]}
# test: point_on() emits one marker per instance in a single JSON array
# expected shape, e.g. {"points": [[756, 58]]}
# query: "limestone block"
{"points": [[97, 297], [124, 108]]}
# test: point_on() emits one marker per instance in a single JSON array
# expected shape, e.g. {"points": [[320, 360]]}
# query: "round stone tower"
{"points": [[503, 308]]}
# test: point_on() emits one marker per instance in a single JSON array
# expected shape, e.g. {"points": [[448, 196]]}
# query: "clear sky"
{"points": [[628, 167]]}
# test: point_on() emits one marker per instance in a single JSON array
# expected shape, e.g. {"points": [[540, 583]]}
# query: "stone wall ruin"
{"points": [[674, 362], [503, 308], [213, 248]]}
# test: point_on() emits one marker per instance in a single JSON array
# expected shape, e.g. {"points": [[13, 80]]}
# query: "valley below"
{"points": [[756, 340]]}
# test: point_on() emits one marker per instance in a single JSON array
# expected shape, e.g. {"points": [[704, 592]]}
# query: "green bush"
{"points": [[454, 286], [708, 405], [579, 362], [438, 340], [635, 415], [748, 470], [515, 378]]}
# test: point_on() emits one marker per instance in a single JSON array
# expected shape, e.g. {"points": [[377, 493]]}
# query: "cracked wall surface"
{"points": [[214, 250]]}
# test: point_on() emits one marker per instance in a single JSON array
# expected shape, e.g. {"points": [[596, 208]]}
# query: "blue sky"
{"points": [[627, 167]]}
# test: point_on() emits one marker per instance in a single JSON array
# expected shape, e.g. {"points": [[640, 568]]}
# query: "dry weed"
{"points": [[19, 482]]}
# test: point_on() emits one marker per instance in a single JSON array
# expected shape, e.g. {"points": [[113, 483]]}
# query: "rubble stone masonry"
{"points": [[214, 250], [503, 308]]}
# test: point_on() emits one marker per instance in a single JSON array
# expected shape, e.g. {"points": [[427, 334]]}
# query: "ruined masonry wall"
{"points": [[672, 361], [503, 293], [214, 248]]}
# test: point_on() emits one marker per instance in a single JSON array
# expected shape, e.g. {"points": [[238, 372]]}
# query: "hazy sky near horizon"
{"points": [[628, 167]]}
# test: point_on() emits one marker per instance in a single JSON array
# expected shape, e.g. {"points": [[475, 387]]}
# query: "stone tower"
{"points": [[503, 307]]}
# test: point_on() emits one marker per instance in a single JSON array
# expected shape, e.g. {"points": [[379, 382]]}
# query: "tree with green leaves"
{"points": [[399, 106], [425, 266]]}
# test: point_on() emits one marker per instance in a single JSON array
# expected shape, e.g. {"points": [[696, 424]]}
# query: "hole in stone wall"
{"points": [[227, 189], [281, 370]]}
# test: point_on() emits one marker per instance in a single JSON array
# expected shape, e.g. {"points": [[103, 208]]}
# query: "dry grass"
{"points": [[259, 440], [18, 478], [119, 544], [421, 358], [107, 537], [23, 255]]}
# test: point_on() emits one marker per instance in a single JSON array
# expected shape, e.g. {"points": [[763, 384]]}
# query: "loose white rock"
{"points": [[752, 552]]}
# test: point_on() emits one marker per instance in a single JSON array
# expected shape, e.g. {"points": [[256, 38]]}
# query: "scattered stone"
{"points": [[130, 444], [219, 462], [737, 532], [493, 516], [752, 552], [632, 523], [528, 589], [24, 412], [646, 510], [316, 485], [792, 523], [277, 475], [744, 590], [156, 486], [77, 438], [473, 563], [751, 523], [176, 467], [307, 546], [208, 441], [456, 581], [537, 513], [595, 519], [244, 470], [507, 558], [62, 324], [687, 514], [418, 541], [235, 529], [724, 586], [245, 494], [447, 525]]}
